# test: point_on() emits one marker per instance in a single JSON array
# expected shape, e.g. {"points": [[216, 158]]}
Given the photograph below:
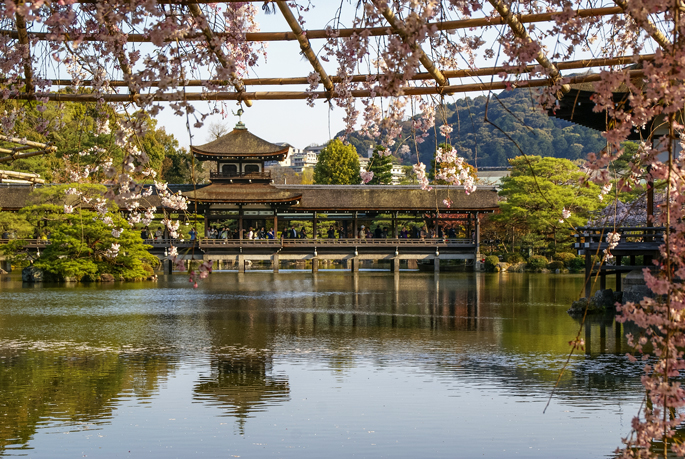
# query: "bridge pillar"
{"points": [[167, 266], [395, 265], [355, 264], [436, 266], [315, 265], [275, 262], [241, 264]]}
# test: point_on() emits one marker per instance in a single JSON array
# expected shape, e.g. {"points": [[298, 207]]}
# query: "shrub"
{"points": [[513, 257], [577, 265], [564, 257], [537, 262], [555, 265], [491, 263]]}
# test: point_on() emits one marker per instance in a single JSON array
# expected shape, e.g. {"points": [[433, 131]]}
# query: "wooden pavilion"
{"points": [[242, 190]]}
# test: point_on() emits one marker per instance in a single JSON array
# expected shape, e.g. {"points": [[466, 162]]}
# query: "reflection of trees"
{"points": [[242, 383], [71, 388]]}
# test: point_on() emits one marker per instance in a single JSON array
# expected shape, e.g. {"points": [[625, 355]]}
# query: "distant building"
{"points": [[304, 159], [316, 149], [287, 162], [492, 175]]}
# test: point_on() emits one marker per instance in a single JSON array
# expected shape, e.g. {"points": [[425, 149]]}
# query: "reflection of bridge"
{"points": [[350, 251]]}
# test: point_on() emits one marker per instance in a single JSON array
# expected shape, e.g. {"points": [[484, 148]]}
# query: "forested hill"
{"points": [[482, 144]]}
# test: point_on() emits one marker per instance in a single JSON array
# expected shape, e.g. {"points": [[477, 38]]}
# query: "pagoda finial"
{"points": [[239, 114]]}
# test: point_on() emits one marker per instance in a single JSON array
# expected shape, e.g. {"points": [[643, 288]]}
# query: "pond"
{"points": [[295, 365]]}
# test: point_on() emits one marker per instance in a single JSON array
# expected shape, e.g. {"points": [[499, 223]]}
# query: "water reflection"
{"points": [[74, 355]]}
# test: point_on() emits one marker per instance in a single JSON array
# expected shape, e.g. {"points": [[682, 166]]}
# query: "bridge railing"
{"points": [[28, 242], [629, 235], [206, 242]]}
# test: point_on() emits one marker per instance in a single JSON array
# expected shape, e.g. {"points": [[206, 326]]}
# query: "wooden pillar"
{"points": [[315, 264], [395, 265], [275, 225], [275, 261], [315, 226], [206, 224], [355, 264], [588, 338], [602, 337], [468, 227], [395, 229], [436, 266], [603, 280], [241, 264], [477, 238], [240, 223], [588, 273], [618, 337], [619, 284], [354, 227]]}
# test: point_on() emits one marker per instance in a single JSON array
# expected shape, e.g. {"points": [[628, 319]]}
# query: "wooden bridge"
{"points": [[350, 251], [635, 241]]}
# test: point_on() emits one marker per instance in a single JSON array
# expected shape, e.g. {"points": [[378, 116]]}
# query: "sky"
{"points": [[291, 121]]}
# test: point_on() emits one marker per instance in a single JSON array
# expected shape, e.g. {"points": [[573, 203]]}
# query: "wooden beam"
{"points": [[647, 25], [346, 33], [305, 45], [423, 58], [23, 37], [464, 73], [223, 60], [298, 95], [520, 31]]}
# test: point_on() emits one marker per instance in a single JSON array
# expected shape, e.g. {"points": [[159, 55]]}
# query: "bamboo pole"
{"points": [[298, 95], [29, 143], [463, 73], [648, 26], [35, 178], [305, 46], [345, 33], [6, 159], [520, 31], [423, 58], [223, 60]]}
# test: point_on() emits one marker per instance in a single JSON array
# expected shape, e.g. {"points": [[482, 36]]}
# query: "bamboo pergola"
{"points": [[204, 34]]}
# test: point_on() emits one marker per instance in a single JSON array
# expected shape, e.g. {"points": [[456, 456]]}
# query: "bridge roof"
{"points": [[323, 198]]}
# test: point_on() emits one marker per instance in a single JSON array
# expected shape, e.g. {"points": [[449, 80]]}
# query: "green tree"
{"points": [[537, 192], [381, 166], [338, 165]]}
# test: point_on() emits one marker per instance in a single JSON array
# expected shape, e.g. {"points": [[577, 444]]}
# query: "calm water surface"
{"points": [[292, 365]]}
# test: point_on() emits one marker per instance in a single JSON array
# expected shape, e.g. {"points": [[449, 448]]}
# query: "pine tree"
{"points": [[381, 166]]}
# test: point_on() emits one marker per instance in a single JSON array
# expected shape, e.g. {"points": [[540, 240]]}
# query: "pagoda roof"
{"points": [[241, 144]]}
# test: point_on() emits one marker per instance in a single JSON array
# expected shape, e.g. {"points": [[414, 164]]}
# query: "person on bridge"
{"points": [[303, 233], [250, 234], [331, 233], [193, 234], [378, 233], [158, 233], [362, 232], [145, 234], [270, 234]]}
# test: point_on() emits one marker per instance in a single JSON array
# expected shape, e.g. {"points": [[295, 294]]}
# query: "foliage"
{"points": [[538, 193], [16, 223], [82, 247], [482, 144], [576, 265], [491, 263], [537, 262], [381, 166], [179, 166], [554, 265], [565, 257], [338, 165], [513, 257]]}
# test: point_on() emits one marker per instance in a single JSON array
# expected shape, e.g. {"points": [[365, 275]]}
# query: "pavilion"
{"points": [[242, 190]]}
